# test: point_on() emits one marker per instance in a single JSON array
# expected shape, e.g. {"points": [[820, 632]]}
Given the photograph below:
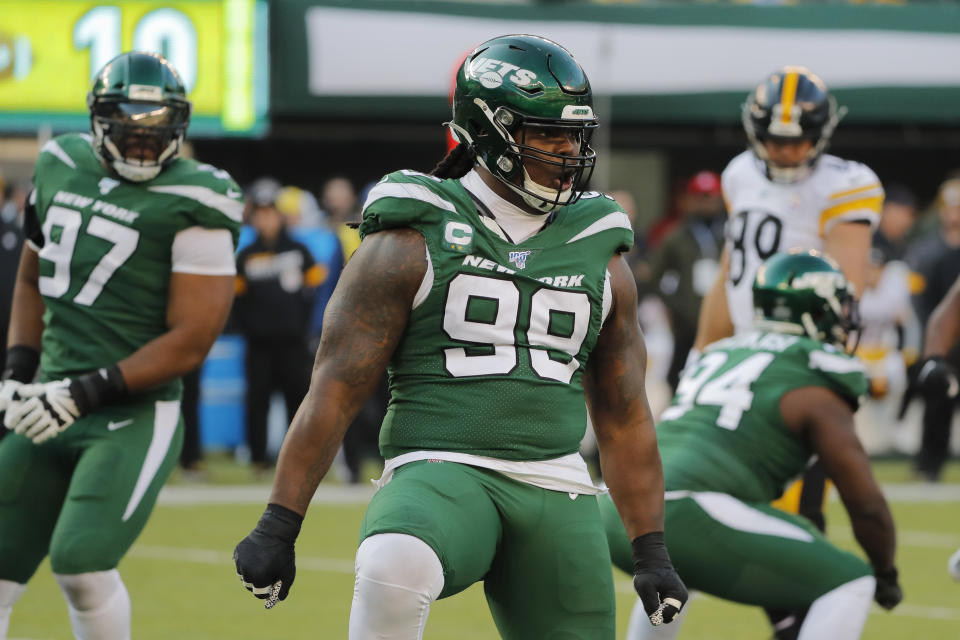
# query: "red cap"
{"points": [[704, 183]]}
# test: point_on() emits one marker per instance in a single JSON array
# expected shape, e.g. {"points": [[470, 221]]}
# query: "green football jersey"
{"points": [[493, 354], [105, 250], [724, 431]]}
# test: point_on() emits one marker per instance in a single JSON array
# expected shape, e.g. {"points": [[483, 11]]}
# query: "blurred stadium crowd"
{"points": [[294, 244]]}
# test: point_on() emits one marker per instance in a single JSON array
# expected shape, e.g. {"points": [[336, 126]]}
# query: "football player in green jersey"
{"points": [[124, 284], [937, 381], [747, 417], [495, 292]]}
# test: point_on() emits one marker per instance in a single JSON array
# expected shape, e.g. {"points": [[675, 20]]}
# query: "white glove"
{"points": [[46, 409], [8, 394]]}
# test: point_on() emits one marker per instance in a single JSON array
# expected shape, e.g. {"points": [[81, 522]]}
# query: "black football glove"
{"points": [[934, 379], [265, 559], [937, 378], [888, 593], [656, 581]]}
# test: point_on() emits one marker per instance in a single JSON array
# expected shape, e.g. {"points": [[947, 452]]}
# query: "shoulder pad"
{"points": [[735, 171], [844, 374], [407, 198], [851, 192], [595, 213], [213, 191], [69, 149]]}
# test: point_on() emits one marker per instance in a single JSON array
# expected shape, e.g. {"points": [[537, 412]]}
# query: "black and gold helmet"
{"points": [[791, 104]]}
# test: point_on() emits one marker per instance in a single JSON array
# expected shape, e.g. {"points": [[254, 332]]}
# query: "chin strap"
{"points": [[787, 175], [543, 199], [135, 173], [128, 170], [538, 197]]}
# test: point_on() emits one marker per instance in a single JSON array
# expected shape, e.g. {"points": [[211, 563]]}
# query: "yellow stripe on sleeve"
{"points": [[844, 194], [873, 203]]}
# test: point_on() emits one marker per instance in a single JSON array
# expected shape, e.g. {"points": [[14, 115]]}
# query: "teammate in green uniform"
{"points": [[748, 416], [496, 290], [936, 380], [124, 284]]}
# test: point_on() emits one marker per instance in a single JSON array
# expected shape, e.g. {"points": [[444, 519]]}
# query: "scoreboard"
{"points": [[50, 50]]}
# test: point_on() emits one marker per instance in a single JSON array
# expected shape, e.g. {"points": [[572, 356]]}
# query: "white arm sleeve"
{"points": [[205, 252]]}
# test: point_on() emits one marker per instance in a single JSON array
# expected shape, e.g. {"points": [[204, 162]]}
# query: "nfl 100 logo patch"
{"points": [[519, 258]]}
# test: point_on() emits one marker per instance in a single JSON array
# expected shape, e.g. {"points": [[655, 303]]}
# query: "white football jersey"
{"points": [[766, 217]]}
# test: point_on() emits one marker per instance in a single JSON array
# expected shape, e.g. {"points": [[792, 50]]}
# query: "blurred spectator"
{"points": [[896, 220], [191, 455], [339, 200], [12, 201], [684, 266], [276, 282], [308, 224], [889, 343], [11, 243], [891, 333], [301, 208], [636, 256], [935, 256]]}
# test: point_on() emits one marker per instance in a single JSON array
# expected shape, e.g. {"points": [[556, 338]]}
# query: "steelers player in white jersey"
{"points": [[783, 192]]}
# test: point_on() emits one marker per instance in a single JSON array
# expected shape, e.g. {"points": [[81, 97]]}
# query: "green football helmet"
{"points": [[139, 114], [803, 292], [513, 82]]}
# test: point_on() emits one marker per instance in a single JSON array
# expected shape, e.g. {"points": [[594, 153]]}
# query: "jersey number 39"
{"points": [[764, 235]]}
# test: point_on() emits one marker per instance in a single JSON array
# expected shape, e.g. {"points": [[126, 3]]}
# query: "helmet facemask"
{"points": [[837, 321], [138, 139], [510, 166]]}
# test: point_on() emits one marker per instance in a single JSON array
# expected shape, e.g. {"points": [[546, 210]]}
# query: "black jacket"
{"points": [[275, 290]]}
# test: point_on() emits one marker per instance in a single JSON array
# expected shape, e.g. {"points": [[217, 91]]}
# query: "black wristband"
{"points": [[280, 522], [22, 363], [890, 575], [650, 552], [99, 387]]}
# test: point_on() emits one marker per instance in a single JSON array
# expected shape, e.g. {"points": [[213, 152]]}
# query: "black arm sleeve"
{"points": [[31, 223]]}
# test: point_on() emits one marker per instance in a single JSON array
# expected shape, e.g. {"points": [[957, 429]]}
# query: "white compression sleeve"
{"points": [[840, 614], [397, 578], [206, 252], [10, 592], [98, 603]]}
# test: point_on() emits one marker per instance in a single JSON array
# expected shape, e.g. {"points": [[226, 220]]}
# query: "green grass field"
{"points": [[182, 582]]}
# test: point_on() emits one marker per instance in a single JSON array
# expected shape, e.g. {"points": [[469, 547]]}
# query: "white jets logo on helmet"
{"points": [[824, 283], [491, 72]]}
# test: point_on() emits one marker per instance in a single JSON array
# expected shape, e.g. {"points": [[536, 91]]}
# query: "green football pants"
{"points": [[541, 554], [84, 496], [746, 552]]}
